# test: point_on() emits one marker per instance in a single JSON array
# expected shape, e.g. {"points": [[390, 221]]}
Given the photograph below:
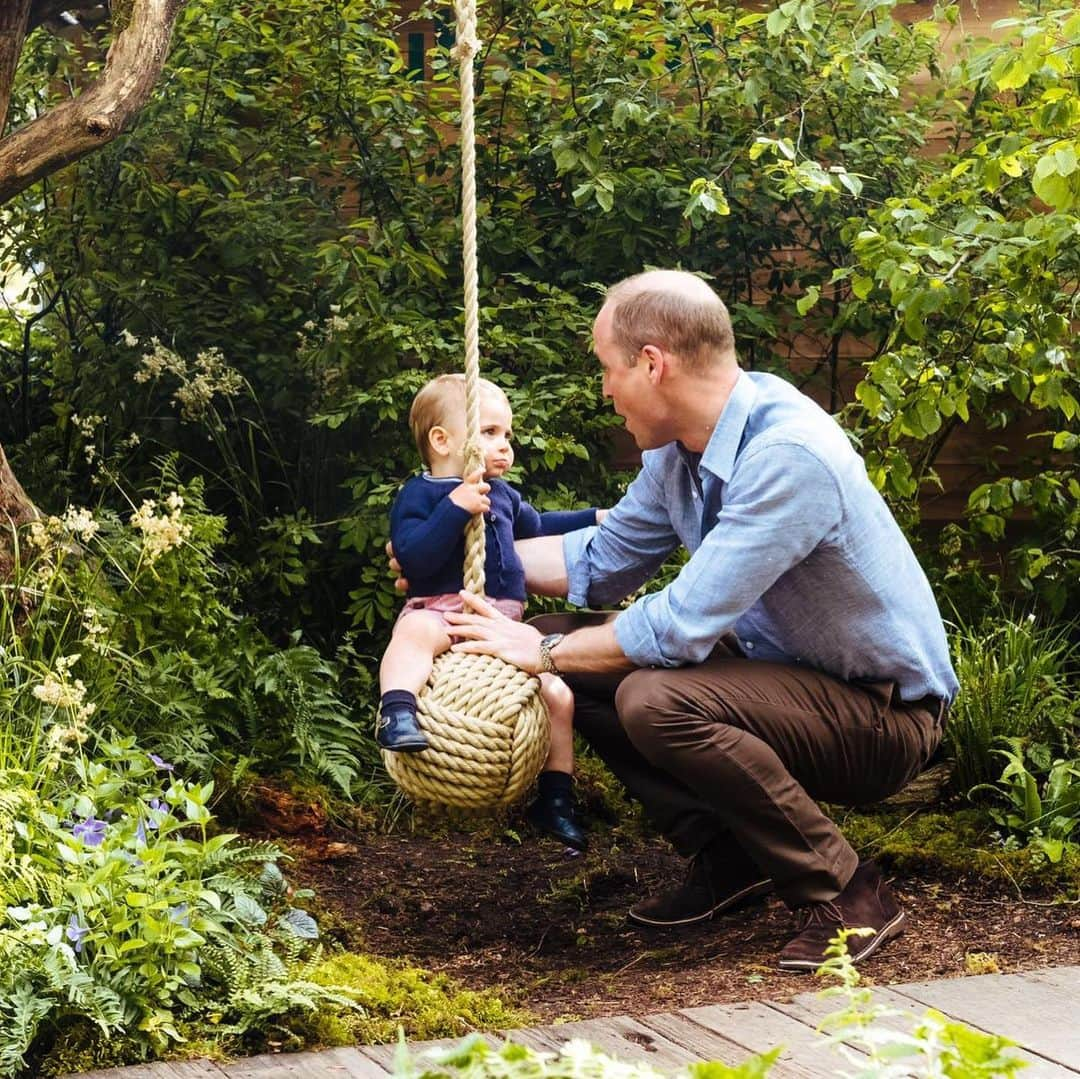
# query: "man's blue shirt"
{"points": [[427, 530], [791, 548]]}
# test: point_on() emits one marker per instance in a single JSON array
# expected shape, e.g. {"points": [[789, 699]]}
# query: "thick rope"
{"points": [[485, 720], [464, 50]]}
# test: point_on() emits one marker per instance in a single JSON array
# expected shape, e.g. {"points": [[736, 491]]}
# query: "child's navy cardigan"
{"points": [[427, 530]]}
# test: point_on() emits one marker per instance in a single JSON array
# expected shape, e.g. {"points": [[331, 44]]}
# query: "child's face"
{"points": [[496, 432]]}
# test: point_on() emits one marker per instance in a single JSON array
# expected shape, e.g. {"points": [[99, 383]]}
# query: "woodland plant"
{"points": [[122, 907], [1017, 689], [131, 621]]}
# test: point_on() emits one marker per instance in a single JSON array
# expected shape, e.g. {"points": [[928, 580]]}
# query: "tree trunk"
{"points": [[67, 132], [14, 20], [85, 123], [15, 510]]}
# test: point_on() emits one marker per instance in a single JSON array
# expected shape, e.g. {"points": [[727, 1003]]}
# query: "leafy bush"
{"points": [[1013, 735], [1017, 681], [132, 622], [122, 909]]}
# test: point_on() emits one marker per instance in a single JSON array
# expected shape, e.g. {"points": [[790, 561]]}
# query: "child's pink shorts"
{"points": [[451, 601]]}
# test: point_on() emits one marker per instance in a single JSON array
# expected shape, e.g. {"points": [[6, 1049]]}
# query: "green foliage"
{"points": [[474, 1058], [935, 1045], [1017, 681], [973, 266], [964, 842], [122, 908], [1042, 805], [134, 623]]}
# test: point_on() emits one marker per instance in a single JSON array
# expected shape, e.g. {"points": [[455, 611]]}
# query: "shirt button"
{"points": [[748, 645]]}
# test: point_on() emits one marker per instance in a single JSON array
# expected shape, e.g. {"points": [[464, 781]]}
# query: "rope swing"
{"points": [[485, 721]]}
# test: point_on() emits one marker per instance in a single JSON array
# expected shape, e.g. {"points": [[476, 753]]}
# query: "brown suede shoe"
{"points": [[866, 902], [713, 885]]}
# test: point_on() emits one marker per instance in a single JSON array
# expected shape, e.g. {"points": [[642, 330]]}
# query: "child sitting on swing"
{"points": [[427, 530]]}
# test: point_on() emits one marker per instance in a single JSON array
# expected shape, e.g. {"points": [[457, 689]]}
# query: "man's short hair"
{"points": [[441, 402], [674, 310]]}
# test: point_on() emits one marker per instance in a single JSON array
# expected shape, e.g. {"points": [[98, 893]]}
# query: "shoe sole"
{"points": [[405, 747], [753, 891], [581, 846], [888, 932]]}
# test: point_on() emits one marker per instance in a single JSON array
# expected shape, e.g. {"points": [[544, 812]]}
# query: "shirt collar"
{"points": [[719, 456]]}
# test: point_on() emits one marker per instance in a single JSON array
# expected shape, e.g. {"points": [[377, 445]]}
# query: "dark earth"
{"points": [[547, 928]]}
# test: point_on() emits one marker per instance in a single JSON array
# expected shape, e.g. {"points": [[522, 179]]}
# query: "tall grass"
{"points": [[1018, 679]]}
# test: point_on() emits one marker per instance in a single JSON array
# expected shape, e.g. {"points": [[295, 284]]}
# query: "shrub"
{"points": [[122, 908], [133, 623], [1017, 681]]}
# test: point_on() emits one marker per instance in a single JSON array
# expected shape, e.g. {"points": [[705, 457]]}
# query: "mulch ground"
{"points": [[547, 928]]}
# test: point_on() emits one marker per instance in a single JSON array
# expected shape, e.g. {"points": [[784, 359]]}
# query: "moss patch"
{"points": [[393, 995], [962, 843]]}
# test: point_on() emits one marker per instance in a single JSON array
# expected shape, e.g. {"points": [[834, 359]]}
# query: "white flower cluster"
{"points": [[58, 691], [158, 360], [211, 375], [335, 323], [199, 381], [161, 532], [87, 427], [77, 522], [95, 630]]}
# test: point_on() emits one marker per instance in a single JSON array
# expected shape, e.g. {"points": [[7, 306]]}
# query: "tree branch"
{"points": [[77, 127]]}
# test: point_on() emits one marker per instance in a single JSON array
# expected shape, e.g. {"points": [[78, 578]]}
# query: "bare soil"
{"points": [[547, 928]]}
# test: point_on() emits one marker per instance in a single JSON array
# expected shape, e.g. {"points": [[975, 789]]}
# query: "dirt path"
{"points": [[549, 929]]}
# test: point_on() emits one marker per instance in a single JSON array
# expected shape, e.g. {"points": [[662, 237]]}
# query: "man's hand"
{"points": [[490, 633], [472, 493]]}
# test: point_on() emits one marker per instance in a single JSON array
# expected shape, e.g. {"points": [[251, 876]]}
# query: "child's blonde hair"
{"points": [[439, 403]]}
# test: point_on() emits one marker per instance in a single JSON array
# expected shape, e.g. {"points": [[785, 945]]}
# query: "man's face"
{"points": [[632, 393]]}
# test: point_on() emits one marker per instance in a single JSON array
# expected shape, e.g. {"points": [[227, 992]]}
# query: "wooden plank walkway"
{"points": [[1039, 1010]]}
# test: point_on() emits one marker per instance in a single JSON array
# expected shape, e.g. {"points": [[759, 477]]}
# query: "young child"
{"points": [[427, 529]]}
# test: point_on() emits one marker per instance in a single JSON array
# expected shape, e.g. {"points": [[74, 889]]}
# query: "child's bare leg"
{"points": [[560, 705], [406, 664], [553, 810]]}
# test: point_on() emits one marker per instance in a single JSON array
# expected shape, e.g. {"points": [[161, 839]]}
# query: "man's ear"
{"points": [[656, 358], [438, 441]]}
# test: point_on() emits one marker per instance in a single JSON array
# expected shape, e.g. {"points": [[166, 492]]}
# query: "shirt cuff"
{"points": [[576, 556], [636, 638]]}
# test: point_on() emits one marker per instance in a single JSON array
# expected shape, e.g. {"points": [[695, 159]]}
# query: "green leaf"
{"points": [[869, 397], [776, 23], [807, 301], [861, 286]]}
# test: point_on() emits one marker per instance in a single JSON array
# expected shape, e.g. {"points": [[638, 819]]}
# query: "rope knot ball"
{"points": [[487, 729]]}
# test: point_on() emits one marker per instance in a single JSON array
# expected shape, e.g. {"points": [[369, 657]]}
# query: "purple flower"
{"points": [[140, 834], [158, 806], [179, 914], [75, 933], [160, 765], [91, 831]]}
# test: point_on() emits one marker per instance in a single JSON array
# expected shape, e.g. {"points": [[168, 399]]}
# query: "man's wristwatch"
{"points": [[547, 663]]}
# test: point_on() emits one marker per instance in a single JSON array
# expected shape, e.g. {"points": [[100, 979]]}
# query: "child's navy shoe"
{"points": [[554, 816], [399, 732]]}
